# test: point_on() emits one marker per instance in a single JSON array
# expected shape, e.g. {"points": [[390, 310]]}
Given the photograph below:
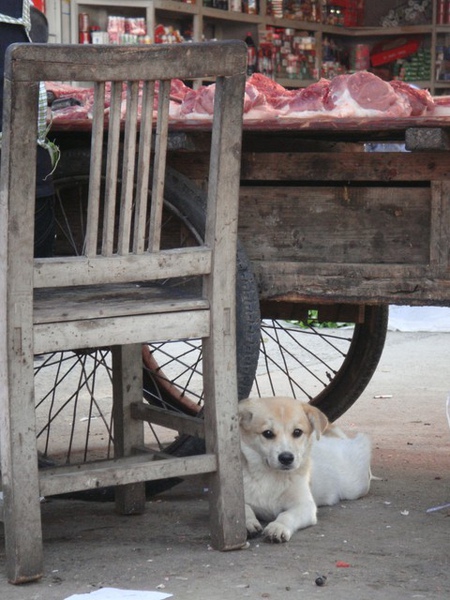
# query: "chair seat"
{"points": [[104, 315], [58, 305]]}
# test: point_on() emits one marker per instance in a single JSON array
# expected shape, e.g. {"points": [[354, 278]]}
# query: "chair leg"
{"points": [[227, 512], [128, 432], [20, 476]]}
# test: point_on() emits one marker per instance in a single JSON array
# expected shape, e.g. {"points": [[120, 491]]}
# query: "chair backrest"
{"points": [[129, 143]]}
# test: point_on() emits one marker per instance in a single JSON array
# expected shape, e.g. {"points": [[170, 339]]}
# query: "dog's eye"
{"points": [[297, 433], [268, 434]]}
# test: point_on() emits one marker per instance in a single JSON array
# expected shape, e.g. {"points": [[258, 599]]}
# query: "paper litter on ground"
{"points": [[117, 594]]}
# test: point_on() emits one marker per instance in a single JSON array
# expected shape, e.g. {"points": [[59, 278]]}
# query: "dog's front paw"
{"points": [[277, 533], [254, 527]]}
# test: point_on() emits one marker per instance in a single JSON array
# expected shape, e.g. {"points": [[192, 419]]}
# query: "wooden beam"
{"points": [[120, 472], [183, 423]]}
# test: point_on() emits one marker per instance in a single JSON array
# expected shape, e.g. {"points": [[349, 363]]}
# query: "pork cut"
{"points": [[363, 94], [421, 101], [309, 99], [257, 106], [198, 103], [268, 90], [358, 95]]}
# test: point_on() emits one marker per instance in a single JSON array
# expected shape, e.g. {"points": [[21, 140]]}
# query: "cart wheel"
{"points": [[326, 364], [73, 389], [328, 367]]}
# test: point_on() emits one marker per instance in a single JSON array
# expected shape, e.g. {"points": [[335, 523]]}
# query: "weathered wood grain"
{"points": [[342, 224], [303, 164], [105, 298]]}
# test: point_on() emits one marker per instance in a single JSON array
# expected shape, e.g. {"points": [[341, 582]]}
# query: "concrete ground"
{"points": [[394, 546]]}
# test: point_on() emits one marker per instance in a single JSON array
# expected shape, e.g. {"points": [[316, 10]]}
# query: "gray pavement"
{"points": [[395, 549]]}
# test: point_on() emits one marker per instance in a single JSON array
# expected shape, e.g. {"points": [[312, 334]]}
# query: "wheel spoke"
{"points": [[74, 390], [300, 354]]}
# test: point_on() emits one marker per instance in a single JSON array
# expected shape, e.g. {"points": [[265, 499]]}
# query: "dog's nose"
{"points": [[286, 458]]}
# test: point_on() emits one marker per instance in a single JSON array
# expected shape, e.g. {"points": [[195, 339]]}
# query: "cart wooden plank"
{"points": [[323, 220]]}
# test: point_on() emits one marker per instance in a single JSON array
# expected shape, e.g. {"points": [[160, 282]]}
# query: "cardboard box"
{"points": [[391, 50]]}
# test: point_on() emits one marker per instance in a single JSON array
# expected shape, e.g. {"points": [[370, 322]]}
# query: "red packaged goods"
{"points": [[441, 15], [360, 57], [136, 26], [115, 28], [352, 10], [39, 4], [83, 22], [84, 37], [391, 50]]}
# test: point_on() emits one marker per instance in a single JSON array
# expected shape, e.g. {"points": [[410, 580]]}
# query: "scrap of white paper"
{"points": [[116, 594]]}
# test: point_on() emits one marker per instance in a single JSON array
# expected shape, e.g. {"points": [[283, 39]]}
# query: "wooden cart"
{"points": [[324, 220], [327, 226]]}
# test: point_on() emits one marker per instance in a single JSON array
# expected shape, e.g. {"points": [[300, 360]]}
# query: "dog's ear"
{"points": [[245, 413], [317, 418]]}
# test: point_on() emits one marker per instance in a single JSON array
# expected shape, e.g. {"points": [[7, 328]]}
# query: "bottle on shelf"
{"points": [[250, 7], [220, 4], [252, 55]]}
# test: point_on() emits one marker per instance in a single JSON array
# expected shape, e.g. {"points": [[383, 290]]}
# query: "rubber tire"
{"points": [[187, 200], [365, 349], [359, 365]]}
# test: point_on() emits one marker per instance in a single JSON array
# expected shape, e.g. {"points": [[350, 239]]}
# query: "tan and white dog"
{"points": [[293, 461]]}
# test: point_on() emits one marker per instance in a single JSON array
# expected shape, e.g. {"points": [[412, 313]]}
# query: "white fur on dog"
{"points": [[340, 467], [293, 461]]}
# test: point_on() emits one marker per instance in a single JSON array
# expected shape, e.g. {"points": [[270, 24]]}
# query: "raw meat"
{"points": [[441, 106], [274, 94], [178, 90], [420, 101], [71, 113], [198, 103], [355, 96], [62, 90], [363, 94], [257, 107], [311, 98]]}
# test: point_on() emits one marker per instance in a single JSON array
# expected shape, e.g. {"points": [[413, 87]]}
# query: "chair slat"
{"points": [[128, 161], [112, 169], [98, 119], [143, 167], [96, 63], [159, 167], [116, 301]]}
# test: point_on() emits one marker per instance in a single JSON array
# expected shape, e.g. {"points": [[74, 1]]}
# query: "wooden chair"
{"points": [[113, 296]]}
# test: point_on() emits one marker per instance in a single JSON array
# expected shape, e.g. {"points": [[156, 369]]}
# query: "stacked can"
{"points": [[285, 52], [83, 29], [360, 57], [413, 12], [443, 12]]}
